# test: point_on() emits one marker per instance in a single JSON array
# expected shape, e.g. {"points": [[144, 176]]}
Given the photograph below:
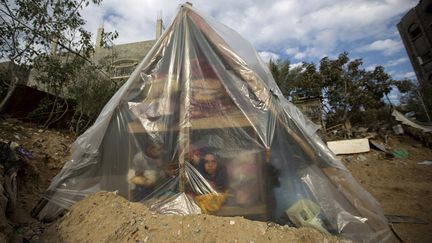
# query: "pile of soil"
{"points": [[47, 152], [106, 217]]}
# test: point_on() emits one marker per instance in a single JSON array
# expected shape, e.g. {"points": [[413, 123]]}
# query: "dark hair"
{"points": [[220, 178], [215, 155]]}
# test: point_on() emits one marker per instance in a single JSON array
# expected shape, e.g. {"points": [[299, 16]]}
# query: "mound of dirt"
{"points": [[106, 217], [46, 151]]}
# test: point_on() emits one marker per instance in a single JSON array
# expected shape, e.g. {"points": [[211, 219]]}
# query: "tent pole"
{"points": [[184, 136]]}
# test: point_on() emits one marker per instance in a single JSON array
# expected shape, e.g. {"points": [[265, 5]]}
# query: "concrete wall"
{"points": [[415, 29], [136, 51]]}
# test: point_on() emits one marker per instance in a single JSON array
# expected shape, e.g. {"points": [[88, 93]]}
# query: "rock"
{"points": [[35, 238], [14, 145]]}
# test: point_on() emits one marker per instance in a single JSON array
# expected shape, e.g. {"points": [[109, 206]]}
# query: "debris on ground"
{"points": [[398, 219], [400, 153], [381, 147], [426, 162], [351, 146]]}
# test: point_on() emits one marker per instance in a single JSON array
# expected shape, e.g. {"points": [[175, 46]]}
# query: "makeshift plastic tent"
{"points": [[202, 127]]}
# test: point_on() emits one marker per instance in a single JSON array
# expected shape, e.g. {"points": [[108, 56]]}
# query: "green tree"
{"points": [[280, 71], [30, 29], [349, 88], [91, 90], [346, 88], [414, 100], [308, 82], [285, 76]]}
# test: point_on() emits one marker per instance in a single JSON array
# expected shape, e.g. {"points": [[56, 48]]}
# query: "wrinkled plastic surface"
{"points": [[201, 126]]}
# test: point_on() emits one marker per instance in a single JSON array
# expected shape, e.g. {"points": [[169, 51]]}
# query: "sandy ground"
{"points": [[117, 220], [402, 186]]}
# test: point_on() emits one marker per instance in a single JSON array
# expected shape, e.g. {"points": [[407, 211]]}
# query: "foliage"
{"points": [[285, 76], [348, 88], [56, 73], [30, 29], [280, 71], [71, 78], [49, 36], [309, 82], [345, 87], [91, 90], [416, 99]]}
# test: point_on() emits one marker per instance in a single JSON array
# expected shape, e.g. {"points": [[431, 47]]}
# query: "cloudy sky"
{"points": [[298, 30]]}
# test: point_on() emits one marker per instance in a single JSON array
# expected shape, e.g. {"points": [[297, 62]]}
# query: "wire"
{"points": [[394, 232]]}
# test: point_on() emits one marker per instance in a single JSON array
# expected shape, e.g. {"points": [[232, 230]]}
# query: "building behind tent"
{"points": [[123, 58], [415, 29]]}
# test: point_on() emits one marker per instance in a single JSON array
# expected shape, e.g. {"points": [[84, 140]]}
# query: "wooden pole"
{"points": [[184, 123]]}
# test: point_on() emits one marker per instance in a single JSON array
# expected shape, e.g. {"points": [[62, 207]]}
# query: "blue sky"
{"points": [[298, 30]]}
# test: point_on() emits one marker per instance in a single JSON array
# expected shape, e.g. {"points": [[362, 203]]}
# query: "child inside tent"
{"points": [[147, 168], [214, 172]]}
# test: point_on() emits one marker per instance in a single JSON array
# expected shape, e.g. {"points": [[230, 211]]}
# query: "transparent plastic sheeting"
{"points": [[202, 127]]}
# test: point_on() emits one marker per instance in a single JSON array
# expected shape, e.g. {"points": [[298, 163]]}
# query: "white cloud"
{"points": [[388, 65], [300, 55], [296, 53], [292, 51], [296, 65], [396, 62], [300, 30], [409, 75], [403, 75], [393, 96], [371, 67], [317, 26], [387, 46], [267, 56], [135, 20]]}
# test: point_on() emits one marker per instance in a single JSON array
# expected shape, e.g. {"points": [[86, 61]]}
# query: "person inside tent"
{"points": [[195, 157], [214, 172], [147, 169]]}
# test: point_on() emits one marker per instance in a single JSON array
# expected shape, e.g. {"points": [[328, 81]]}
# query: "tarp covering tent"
{"points": [[202, 127]]}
